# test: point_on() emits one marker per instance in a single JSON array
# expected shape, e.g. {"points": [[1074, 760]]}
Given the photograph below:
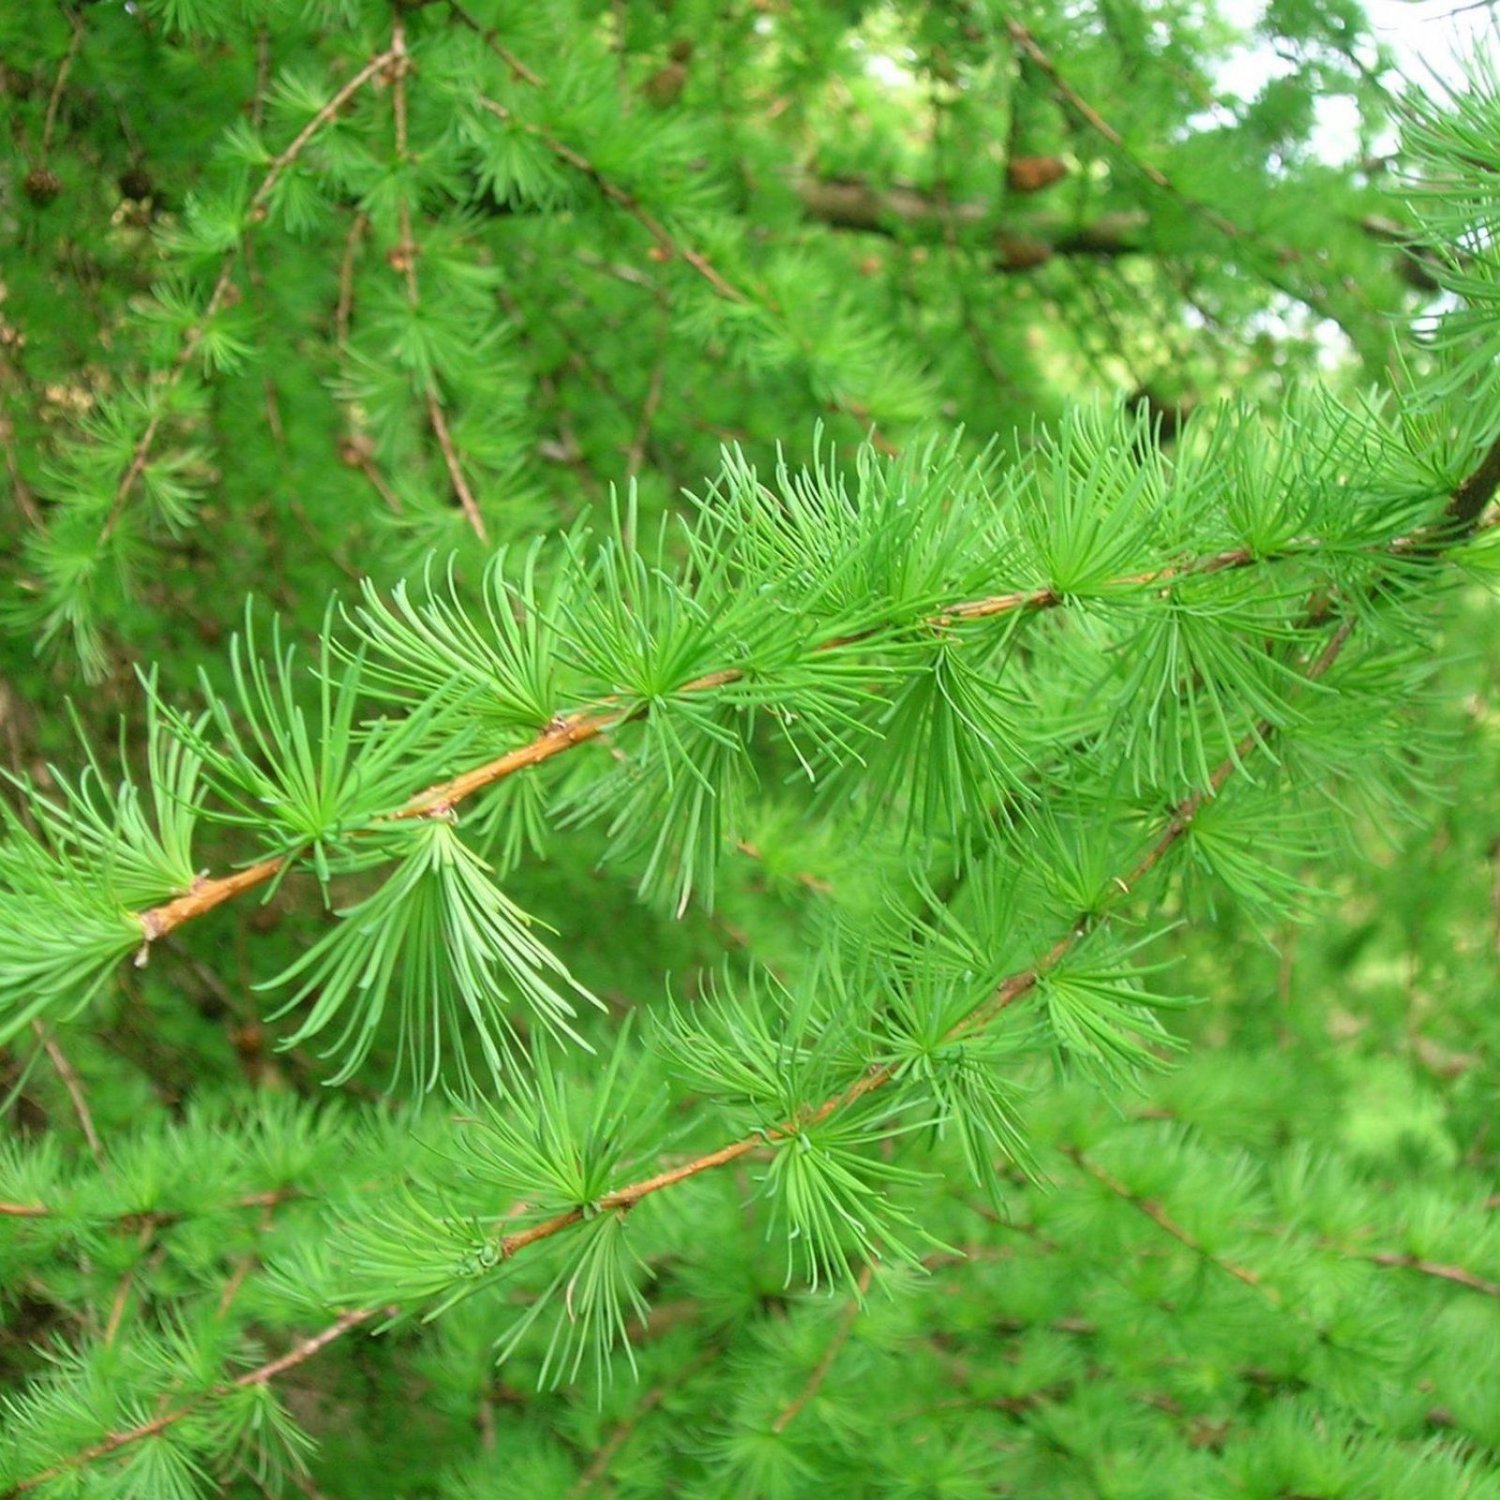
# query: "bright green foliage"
{"points": [[921, 963]]}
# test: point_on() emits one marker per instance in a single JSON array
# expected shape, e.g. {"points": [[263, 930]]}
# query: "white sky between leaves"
{"points": [[1430, 42], [1428, 39]]}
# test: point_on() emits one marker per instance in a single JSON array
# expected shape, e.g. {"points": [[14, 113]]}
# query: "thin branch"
{"points": [[845, 204], [255, 212], [491, 39], [19, 489], [461, 488], [356, 451], [204, 896], [258, 1376], [262, 76], [304, 137], [406, 259], [345, 307], [580, 360], [1007, 994], [74, 1085], [642, 437], [621, 199], [304, 1485], [814, 1383], [958, 253], [805, 878], [666, 242], [308, 1347], [64, 68], [1074, 101], [246, 1262], [1169, 1226], [122, 1291], [599, 1464], [156, 1219], [1458, 1275]]}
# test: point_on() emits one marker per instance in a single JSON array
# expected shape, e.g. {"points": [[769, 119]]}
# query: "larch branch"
{"points": [[622, 1200], [1220, 222], [258, 1376], [193, 338], [586, 724], [1170, 1226]]}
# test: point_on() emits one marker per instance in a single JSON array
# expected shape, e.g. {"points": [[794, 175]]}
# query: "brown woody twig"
{"points": [[405, 258], [258, 1376]]}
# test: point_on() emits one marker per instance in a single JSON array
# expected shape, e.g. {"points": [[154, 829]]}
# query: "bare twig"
{"points": [[54, 100], [814, 1383], [74, 1085], [406, 255]]}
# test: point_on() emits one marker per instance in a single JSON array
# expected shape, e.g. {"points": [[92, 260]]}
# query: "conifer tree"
{"points": [[778, 776]]}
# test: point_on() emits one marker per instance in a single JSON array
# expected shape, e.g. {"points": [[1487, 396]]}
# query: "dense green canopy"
{"points": [[749, 753]]}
